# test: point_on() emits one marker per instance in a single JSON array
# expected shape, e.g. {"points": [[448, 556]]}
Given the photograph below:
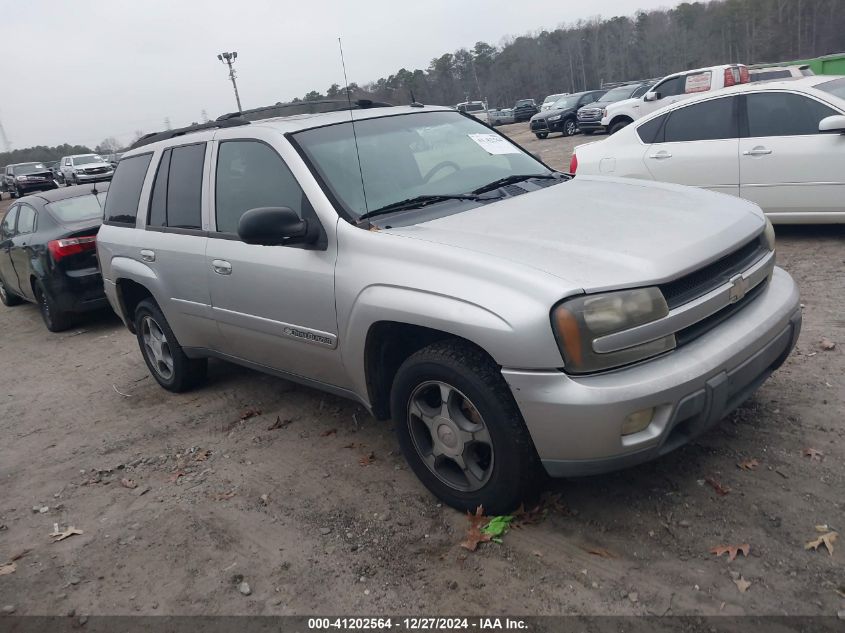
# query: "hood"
{"points": [[622, 104], [602, 233], [545, 114]]}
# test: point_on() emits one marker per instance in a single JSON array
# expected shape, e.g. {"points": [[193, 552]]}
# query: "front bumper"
{"points": [[40, 185], [575, 422], [590, 125], [544, 125]]}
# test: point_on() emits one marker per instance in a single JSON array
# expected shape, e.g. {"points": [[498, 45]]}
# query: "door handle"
{"points": [[660, 155], [757, 151], [221, 267], [148, 255]]}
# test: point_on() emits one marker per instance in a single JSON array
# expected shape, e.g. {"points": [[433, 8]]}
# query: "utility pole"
{"points": [[228, 58]]}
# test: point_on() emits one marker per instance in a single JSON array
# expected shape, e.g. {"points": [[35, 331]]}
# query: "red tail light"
{"points": [[730, 79], [744, 75], [68, 246], [573, 164]]}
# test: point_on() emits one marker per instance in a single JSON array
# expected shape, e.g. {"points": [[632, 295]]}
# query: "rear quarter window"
{"points": [[125, 190]]}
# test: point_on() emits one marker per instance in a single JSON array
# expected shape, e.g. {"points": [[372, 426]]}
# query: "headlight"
{"points": [[769, 235], [604, 113], [555, 117], [579, 322]]}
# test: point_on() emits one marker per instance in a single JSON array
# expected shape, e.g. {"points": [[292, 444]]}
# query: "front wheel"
{"points": [[460, 429], [161, 351], [570, 128], [617, 126], [542, 135]]}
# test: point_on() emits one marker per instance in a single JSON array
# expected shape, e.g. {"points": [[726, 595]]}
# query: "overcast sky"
{"points": [[78, 71]]}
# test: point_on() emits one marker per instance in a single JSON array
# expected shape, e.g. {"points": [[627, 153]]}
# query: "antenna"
{"points": [[352, 120]]}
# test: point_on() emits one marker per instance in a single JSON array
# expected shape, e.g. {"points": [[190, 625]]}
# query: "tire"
{"points": [[481, 423], [542, 135], [161, 351], [8, 298], [618, 126], [570, 127], [55, 319]]}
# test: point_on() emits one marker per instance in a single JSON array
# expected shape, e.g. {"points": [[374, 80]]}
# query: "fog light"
{"points": [[638, 421]]}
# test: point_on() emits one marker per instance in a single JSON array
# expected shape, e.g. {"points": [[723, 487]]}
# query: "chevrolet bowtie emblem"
{"points": [[739, 286]]}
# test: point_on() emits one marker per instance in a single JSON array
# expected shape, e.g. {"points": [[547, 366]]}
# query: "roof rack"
{"points": [[153, 137], [319, 106]]}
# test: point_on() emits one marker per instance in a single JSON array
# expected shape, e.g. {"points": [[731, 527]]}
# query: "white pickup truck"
{"points": [[671, 89]]}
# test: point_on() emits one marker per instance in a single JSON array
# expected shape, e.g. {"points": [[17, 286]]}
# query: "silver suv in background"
{"points": [[81, 168], [510, 320]]}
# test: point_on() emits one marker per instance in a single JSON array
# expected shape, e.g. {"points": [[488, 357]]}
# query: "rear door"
{"points": [[698, 145], [7, 233], [21, 252], [786, 164], [274, 305]]}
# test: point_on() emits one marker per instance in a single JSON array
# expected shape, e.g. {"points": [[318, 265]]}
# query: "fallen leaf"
{"points": [[742, 584], [278, 424], [63, 534], [202, 456], [8, 568], [20, 555], [352, 445], [819, 528], [250, 413], [328, 433], [175, 476], [813, 453], [717, 486], [367, 459], [223, 496], [825, 539], [474, 534], [826, 344], [748, 464], [731, 550], [600, 551], [128, 483]]}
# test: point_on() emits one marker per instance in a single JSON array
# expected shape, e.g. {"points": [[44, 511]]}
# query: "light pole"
{"points": [[228, 58]]}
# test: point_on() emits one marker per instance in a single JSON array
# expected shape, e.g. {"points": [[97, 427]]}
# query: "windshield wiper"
{"points": [[417, 202], [508, 180]]}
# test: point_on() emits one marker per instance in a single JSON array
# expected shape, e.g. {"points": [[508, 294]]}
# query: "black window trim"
{"points": [[146, 175], [745, 124], [322, 242], [168, 229]]}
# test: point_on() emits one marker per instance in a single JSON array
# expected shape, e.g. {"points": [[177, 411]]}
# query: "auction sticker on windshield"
{"points": [[494, 144]]}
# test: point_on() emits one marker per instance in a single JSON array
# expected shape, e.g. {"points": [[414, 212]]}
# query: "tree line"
{"points": [[41, 154], [589, 53]]}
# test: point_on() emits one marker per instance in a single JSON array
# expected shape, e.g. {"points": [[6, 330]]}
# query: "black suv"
{"points": [[561, 117], [23, 178], [525, 109], [590, 115]]}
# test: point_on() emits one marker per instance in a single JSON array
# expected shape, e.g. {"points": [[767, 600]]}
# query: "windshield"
{"points": [[77, 209], [551, 99], [474, 107], [618, 94], [524, 102], [566, 102], [430, 153], [835, 87], [84, 160], [28, 168]]}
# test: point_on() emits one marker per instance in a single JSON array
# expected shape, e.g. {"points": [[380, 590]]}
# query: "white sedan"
{"points": [[779, 144]]}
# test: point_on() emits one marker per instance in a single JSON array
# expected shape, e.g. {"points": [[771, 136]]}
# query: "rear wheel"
{"points": [[542, 135], [55, 319], [8, 298], [161, 351], [460, 429]]}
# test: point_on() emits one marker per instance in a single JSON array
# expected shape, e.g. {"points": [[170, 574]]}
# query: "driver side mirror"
{"points": [[834, 123], [651, 96], [275, 226]]}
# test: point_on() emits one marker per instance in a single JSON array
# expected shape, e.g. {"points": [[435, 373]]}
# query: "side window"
{"points": [[26, 220], [7, 228], [705, 121], [125, 189], [158, 199], [251, 174], [639, 92], [784, 114], [184, 187], [67, 162], [671, 87], [652, 131]]}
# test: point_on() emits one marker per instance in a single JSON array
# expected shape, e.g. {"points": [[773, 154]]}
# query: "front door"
{"points": [[786, 164], [7, 233], [21, 252], [274, 305]]}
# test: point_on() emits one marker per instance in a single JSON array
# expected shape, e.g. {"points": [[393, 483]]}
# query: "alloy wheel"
{"points": [[157, 348], [450, 436], [3, 294], [570, 128]]}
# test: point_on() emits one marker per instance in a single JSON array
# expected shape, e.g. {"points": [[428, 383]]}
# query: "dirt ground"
{"points": [[253, 479]]}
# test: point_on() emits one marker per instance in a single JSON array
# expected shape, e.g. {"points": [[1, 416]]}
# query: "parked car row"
{"points": [[24, 178]]}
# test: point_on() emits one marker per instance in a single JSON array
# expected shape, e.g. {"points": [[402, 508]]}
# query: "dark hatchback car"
{"points": [[561, 117], [590, 115], [23, 178], [48, 253], [524, 109]]}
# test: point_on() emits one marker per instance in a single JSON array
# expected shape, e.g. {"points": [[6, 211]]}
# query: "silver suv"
{"points": [[82, 168], [512, 321]]}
